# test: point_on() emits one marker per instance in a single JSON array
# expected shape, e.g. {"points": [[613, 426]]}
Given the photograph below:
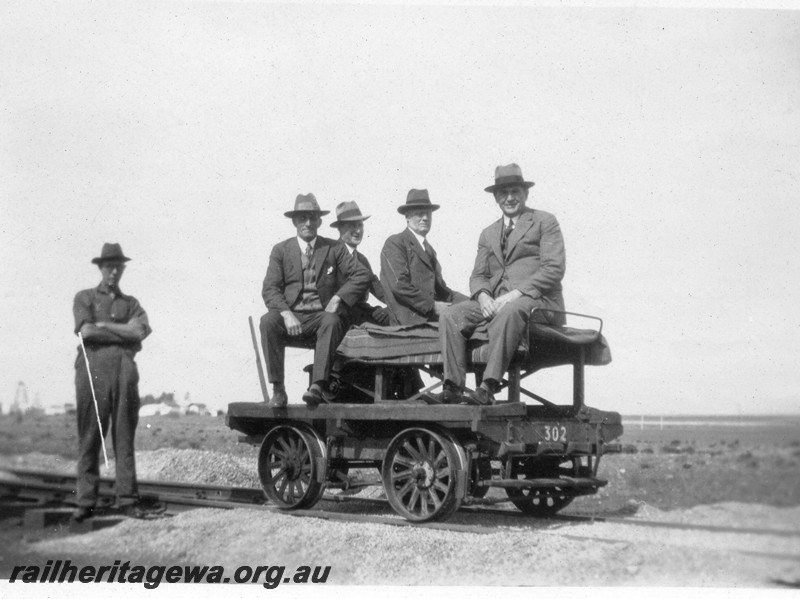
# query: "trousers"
{"points": [[325, 329], [459, 321], [116, 381]]}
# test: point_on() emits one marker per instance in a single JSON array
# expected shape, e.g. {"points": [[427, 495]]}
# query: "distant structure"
{"points": [[21, 404]]}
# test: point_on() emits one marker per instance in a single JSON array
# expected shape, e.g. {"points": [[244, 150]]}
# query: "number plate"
{"points": [[556, 433]]}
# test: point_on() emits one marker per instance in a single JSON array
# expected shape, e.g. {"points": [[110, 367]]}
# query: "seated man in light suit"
{"points": [[350, 223], [410, 272], [519, 267], [310, 285]]}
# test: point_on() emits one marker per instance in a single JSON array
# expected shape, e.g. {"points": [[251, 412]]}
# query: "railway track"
{"points": [[32, 489]]}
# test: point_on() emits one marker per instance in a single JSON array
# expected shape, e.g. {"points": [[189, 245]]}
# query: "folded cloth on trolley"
{"points": [[419, 344]]}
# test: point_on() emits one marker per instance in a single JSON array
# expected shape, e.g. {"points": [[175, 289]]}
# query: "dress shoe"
{"points": [[279, 398], [141, 511], [449, 395], [82, 513], [480, 397], [313, 397]]}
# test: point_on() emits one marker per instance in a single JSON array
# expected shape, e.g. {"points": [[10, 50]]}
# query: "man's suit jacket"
{"points": [[412, 281], [336, 271], [534, 260]]}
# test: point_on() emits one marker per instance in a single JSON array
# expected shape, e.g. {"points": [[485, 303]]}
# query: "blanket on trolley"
{"points": [[544, 345]]}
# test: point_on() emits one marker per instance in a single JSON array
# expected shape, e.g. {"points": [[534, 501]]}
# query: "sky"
{"points": [[665, 140]]}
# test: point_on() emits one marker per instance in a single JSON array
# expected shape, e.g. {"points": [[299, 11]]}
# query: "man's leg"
{"points": [[330, 329], [505, 332], [125, 419], [273, 342], [89, 434], [456, 323]]}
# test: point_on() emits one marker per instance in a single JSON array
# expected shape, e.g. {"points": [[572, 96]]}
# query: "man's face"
{"points": [[306, 224], [511, 199], [419, 220], [112, 271], [352, 232]]}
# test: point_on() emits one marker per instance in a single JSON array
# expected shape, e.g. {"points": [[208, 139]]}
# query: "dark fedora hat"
{"points": [[507, 175], [306, 203], [417, 198], [348, 212], [110, 251]]}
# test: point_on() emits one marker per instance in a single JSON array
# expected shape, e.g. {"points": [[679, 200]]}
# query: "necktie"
{"points": [[506, 234], [309, 255], [429, 250]]}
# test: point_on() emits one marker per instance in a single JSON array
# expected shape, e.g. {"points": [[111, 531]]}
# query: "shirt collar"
{"points": [[419, 237], [514, 220], [350, 249], [303, 243], [106, 290]]}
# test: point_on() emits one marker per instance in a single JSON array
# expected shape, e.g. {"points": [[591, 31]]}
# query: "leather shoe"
{"points": [[481, 397], [140, 511], [279, 398], [82, 513], [448, 396], [313, 397]]}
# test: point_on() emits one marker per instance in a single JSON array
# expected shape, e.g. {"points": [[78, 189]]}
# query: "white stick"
{"points": [[94, 398]]}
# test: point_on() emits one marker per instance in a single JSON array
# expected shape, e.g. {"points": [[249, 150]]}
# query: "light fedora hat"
{"points": [[348, 212], [306, 203], [507, 175], [417, 198], [110, 251]]}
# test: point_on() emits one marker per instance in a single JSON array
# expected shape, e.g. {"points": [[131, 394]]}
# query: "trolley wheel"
{"points": [[540, 502], [288, 464], [420, 474]]}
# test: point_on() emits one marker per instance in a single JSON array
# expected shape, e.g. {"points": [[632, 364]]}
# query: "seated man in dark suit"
{"points": [[350, 223], [311, 283], [410, 273], [519, 267]]}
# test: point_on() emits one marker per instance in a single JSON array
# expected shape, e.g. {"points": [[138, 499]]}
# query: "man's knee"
{"points": [[271, 321], [331, 321]]}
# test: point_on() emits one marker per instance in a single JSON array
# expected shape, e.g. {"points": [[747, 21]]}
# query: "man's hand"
{"points": [[507, 298], [293, 328], [333, 305], [381, 316], [488, 305], [438, 307]]}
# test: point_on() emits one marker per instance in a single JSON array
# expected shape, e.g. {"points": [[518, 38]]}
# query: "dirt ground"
{"points": [[735, 489]]}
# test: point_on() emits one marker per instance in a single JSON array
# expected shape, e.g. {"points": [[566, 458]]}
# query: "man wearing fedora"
{"points": [[410, 272], [519, 267], [310, 285], [112, 325], [350, 223]]}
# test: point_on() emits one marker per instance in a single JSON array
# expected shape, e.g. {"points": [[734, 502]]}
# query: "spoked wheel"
{"points": [[541, 502], [420, 474], [288, 464]]}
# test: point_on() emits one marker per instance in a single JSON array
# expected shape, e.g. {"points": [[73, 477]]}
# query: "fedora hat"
{"points": [[507, 175], [306, 203], [417, 198], [110, 251], [348, 212]]}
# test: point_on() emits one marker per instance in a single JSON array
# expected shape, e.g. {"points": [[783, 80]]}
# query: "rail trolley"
{"points": [[434, 458]]}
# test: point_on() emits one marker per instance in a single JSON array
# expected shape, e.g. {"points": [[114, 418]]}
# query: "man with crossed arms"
{"points": [[519, 267]]}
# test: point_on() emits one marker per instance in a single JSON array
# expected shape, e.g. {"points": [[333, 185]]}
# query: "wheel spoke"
{"points": [[416, 456], [403, 461], [403, 491], [405, 474], [414, 497]]}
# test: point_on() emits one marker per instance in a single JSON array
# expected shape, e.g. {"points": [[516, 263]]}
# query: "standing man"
{"points": [[311, 283], [410, 273], [113, 325], [519, 267], [350, 223]]}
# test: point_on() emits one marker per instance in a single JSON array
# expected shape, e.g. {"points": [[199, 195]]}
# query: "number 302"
{"points": [[555, 433]]}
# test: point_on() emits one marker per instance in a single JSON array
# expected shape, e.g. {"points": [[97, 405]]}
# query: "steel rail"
{"points": [[47, 488]]}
